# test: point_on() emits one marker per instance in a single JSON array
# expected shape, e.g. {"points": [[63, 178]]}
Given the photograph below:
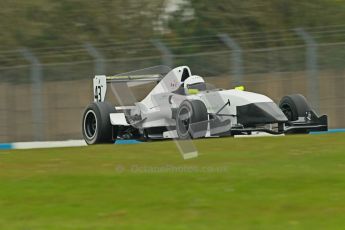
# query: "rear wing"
{"points": [[100, 82]]}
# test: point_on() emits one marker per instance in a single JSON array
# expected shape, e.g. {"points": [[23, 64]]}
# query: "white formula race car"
{"points": [[182, 105]]}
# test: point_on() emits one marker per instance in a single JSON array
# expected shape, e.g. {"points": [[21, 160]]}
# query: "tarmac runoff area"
{"points": [[79, 143]]}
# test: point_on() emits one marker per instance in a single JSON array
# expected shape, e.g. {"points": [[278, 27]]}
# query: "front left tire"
{"points": [[96, 125], [294, 106]]}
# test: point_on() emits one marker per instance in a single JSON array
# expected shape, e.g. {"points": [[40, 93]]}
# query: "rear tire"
{"points": [[96, 126], [190, 112]]}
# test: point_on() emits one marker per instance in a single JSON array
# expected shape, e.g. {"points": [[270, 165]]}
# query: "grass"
{"points": [[294, 182]]}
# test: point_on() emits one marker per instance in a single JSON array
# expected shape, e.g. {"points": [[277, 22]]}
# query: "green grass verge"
{"points": [[294, 182]]}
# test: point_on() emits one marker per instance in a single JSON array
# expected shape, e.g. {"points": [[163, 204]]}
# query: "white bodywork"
{"points": [[118, 119], [156, 109]]}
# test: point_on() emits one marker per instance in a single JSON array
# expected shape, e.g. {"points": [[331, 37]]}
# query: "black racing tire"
{"points": [[294, 106], [189, 112], [96, 125]]}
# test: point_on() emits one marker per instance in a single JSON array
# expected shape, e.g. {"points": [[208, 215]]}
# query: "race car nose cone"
{"points": [[260, 113]]}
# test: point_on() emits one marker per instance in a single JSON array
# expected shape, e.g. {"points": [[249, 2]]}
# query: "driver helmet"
{"points": [[194, 84]]}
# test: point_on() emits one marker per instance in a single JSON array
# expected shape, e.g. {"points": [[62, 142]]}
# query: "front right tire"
{"points": [[191, 119]]}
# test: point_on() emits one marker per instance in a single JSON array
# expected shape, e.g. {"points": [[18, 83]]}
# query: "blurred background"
{"points": [[50, 50]]}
